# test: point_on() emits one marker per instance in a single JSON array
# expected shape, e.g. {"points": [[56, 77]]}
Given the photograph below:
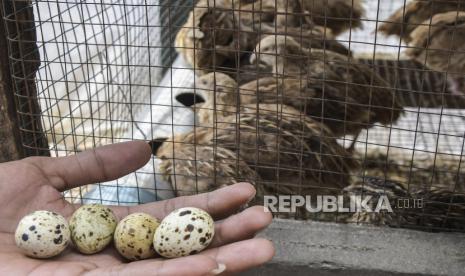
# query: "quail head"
{"points": [[213, 38]]}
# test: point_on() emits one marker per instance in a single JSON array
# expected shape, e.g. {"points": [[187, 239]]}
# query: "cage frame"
{"points": [[18, 90], [10, 145]]}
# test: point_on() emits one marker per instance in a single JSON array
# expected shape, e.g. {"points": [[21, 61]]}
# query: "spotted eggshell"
{"points": [[92, 227], [184, 232], [134, 236], [42, 234]]}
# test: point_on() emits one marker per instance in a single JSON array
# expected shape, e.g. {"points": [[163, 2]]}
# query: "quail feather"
{"points": [[440, 44], [283, 18], [422, 171], [343, 108], [442, 210], [336, 15], [407, 18], [307, 36], [374, 188], [429, 209], [284, 55], [267, 15], [212, 38], [192, 164], [348, 95], [255, 14], [291, 151]]}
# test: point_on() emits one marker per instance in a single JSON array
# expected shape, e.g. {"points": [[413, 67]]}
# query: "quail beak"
{"points": [[156, 144]]}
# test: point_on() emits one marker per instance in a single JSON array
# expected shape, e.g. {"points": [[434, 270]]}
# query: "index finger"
{"points": [[97, 165]]}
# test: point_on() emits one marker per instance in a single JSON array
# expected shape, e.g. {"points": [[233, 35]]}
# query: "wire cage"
{"points": [[311, 97]]}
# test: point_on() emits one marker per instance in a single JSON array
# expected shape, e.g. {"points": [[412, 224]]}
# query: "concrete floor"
{"points": [[315, 248], [300, 270]]}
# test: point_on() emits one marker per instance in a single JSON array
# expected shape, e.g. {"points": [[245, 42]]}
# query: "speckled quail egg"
{"points": [[92, 227], [184, 232], [134, 236], [42, 234]]}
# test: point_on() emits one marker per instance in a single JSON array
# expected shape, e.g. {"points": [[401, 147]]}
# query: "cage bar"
{"points": [[291, 96]]}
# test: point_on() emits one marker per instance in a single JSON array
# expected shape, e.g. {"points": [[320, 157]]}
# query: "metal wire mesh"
{"points": [[298, 97]]}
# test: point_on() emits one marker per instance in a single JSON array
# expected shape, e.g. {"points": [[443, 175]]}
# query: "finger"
{"points": [[190, 265], [219, 204], [242, 255], [100, 164], [242, 226]]}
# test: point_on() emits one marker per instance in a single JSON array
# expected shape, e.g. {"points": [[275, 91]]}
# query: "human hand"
{"points": [[36, 183]]}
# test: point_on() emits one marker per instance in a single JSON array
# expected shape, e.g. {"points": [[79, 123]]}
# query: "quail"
{"points": [[336, 15], [284, 55], [304, 36], [295, 154], [212, 37], [345, 94], [375, 189], [192, 164], [441, 210], [343, 108], [257, 14], [439, 44], [407, 18], [269, 14], [429, 209], [424, 170], [280, 54], [310, 37]]}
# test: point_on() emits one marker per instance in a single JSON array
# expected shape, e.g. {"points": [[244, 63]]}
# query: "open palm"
{"points": [[36, 184]]}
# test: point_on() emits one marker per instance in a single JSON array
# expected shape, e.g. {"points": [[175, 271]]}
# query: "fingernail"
{"points": [[220, 269], [246, 205], [252, 197]]}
